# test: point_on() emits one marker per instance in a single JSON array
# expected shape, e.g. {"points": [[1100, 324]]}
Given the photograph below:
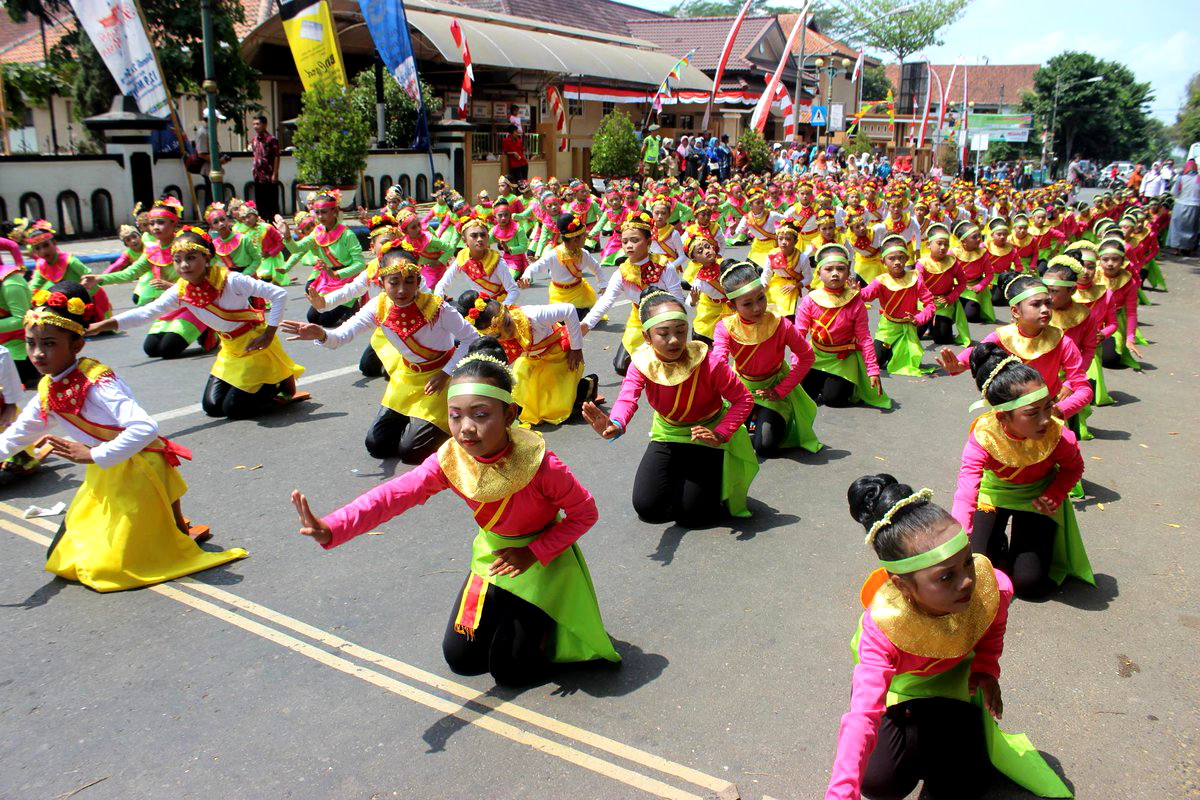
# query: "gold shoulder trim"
{"points": [[826, 299], [487, 483], [1025, 348], [758, 333], [1014, 453], [669, 373]]}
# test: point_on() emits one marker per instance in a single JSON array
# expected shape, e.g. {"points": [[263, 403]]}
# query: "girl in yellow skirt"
{"points": [[431, 337], [566, 264], [666, 241], [760, 225], [784, 270], [480, 263], [865, 241], [125, 527], [707, 296], [637, 272], [544, 345], [252, 373]]}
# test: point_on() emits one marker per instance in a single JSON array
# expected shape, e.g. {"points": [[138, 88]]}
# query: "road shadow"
{"points": [[1123, 398], [48, 479], [1108, 435], [217, 576], [823, 456], [1096, 494], [208, 424], [765, 518], [43, 595], [1077, 594], [1000, 787], [307, 411], [668, 544]]}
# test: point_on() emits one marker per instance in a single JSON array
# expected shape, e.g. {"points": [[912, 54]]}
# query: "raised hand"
{"points": [[310, 523], [949, 362], [316, 299], [599, 421], [302, 331], [74, 452], [702, 435]]}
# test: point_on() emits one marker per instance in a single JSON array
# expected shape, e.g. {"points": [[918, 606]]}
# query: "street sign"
{"points": [[819, 115], [979, 141], [837, 117]]}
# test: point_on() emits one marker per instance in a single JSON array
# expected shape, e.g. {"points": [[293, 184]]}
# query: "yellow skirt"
{"points": [[708, 313], [251, 371], [632, 338], [545, 387], [120, 529], [784, 302], [868, 268], [759, 248], [388, 355], [405, 394], [581, 295]]}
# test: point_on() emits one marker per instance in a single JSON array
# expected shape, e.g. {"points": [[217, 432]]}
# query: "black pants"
{"points": [[621, 361], [934, 739], [393, 435], [266, 198], [330, 318], [827, 389], [27, 372], [221, 399], [998, 300], [1109, 357], [942, 330], [370, 365], [1024, 555], [973, 311], [509, 641], [164, 345], [883, 354], [767, 430], [679, 482]]}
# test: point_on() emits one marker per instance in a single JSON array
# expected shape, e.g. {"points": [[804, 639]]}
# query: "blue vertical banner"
{"points": [[388, 26]]}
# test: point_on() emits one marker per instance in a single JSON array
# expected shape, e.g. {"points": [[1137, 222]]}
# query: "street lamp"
{"points": [[830, 69], [1048, 160]]}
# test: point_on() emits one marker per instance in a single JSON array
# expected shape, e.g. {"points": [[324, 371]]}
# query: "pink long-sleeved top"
{"points": [[14, 251], [696, 399], [1123, 297], [757, 362], [948, 285], [901, 305], [878, 662], [838, 330], [1085, 334], [533, 508], [1064, 359], [1100, 308], [975, 459]]}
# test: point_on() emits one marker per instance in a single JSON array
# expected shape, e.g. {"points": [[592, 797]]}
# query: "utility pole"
{"points": [[216, 173]]}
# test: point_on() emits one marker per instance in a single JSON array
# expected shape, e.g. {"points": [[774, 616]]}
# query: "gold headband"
{"points": [[485, 358], [399, 266], [42, 316], [1004, 362], [186, 246]]}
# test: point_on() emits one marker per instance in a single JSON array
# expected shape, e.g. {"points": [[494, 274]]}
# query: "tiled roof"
{"points": [[816, 43], [991, 84], [21, 43], [598, 15], [676, 36]]}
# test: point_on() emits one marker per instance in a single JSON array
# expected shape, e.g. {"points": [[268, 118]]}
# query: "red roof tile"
{"points": [[817, 43], [599, 15], [990, 84], [677, 35], [21, 43]]}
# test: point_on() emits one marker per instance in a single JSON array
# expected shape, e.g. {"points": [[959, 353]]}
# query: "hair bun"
{"points": [[863, 497]]}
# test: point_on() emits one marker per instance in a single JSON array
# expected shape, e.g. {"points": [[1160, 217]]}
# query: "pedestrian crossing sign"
{"points": [[819, 115]]}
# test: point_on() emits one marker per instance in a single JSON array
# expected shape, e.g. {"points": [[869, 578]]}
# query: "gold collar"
{"points": [[996, 251], [947, 636], [907, 282], [1068, 318], [487, 483], [827, 299], [1025, 348], [967, 256], [1014, 453], [937, 267], [757, 333], [670, 373], [1090, 294], [1123, 277]]}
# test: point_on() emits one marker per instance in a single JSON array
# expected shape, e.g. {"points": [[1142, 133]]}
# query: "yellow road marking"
{"points": [[637, 780]]}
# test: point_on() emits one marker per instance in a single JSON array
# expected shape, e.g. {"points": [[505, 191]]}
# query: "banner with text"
{"points": [[312, 38], [116, 29]]}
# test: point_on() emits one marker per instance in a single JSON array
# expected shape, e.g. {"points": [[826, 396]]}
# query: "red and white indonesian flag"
{"points": [[858, 66], [784, 98], [115, 28], [560, 117], [758, 120], [468, 74], [725, 53]]}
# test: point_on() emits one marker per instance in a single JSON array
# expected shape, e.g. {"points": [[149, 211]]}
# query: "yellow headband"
{"points": [[186, 246], [399, 266]]}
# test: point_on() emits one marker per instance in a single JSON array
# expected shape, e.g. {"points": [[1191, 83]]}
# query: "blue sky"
{"points": [[1158, 39]]}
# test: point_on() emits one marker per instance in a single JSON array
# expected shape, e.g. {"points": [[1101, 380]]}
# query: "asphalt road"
{"points": [[303, 674]]}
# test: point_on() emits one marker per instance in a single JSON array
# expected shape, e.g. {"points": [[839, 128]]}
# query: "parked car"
{"points": [[1116, 174]]}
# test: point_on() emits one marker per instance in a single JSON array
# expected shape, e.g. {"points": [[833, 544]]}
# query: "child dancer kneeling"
{"points": [[528, 600], [927, 661], [897, 344], [125, 527], [756, 337], [699, 456], [252, 373], [1020, 463]]}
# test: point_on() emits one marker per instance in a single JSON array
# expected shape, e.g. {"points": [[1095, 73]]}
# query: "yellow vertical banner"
{"points": [[312, 38]]}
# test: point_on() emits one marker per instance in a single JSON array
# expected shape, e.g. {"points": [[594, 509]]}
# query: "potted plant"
{"points": [[614, 147], [331, 141]]}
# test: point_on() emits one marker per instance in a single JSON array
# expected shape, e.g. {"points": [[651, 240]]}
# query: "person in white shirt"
{"points": [[1153, 184]]}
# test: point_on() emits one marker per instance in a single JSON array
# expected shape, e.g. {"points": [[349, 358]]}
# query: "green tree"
{"points": [[400, 112], [900, 34], [875, 84], [1103, 119], [860, 143], [1187, 124], [756, 148], [615, 152], [332, 137], [29, 86]]}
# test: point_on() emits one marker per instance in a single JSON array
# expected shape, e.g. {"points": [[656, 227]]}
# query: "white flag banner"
{"points": [[116, 30]]}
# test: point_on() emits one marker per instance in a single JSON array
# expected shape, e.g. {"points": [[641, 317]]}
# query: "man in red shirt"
{"points": [[512, 146]]}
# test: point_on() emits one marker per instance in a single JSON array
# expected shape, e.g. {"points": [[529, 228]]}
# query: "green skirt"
{"points": [[901, 338], [853, 369], [987, 311], [1119, 341], [563, 589], [962, 329], [273, 269], [1069, 557], [1095, 373], [1154, 276], [797, 408], [740, 464]]}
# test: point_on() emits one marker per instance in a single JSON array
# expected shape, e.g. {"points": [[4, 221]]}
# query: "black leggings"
{"points": [[164, 345], [883, 354], [221, 399], [1109, 357], [509, 641], [370, 365], [973, 311], [27, 372], [1024, 554], [679, 482], [942, 329], [827, 389], [330, 318], [621, 360], [934, 739], [767, 430], [393, 435]]}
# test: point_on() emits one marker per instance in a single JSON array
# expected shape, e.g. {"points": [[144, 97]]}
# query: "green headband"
{"points": [[482, 389], [895, 248], [666, 316], [968, 231], [1056, 282], [744, 288], [936, 235], [1111, 251], [994, 228], [1012, 405], [920, 561], [1030, 292], [836, 257]]}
